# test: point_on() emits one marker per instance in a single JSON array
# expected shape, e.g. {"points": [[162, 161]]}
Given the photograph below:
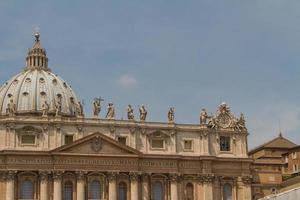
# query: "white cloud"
{"points": [[127, 81]]}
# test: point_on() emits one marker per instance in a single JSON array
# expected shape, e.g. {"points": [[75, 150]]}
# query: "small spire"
{"points": [[280, 133]]}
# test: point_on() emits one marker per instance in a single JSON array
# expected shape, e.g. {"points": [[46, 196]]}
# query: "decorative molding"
{"points": [[134, 176], [96, 144], [112, 176], [173, 177]]}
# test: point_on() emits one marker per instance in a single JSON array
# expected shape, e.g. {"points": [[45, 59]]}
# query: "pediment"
{"points": [[96, 144]]}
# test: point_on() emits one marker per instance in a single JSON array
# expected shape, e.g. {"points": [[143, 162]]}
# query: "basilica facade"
{"points": [[50, 151]]}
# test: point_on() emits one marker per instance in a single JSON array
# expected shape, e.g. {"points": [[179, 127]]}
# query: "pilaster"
{"points": [[112, 186]]}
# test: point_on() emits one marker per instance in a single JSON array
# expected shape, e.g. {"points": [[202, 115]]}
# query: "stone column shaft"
{"points": [[80, 194], [57, 190], [174, 187], [145, 187], [10, 186], [112, 186], [43, 186], [134, 193]]}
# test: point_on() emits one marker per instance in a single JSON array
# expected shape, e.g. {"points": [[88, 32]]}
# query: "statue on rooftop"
{"points": [[80, 108], [11, 108], [143, 113], [58, 106], [45, 108], [110, 111], [171, 115], [130, 114], [97, 106], [203, 116]]}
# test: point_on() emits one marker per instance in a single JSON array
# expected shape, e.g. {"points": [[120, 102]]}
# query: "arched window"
{"points": [[189, 191], [27, 189], [157, 191], [227, 191], [68, 190], [122, 191], [95, 190]]}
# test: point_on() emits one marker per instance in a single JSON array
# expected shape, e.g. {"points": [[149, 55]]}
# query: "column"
{"points": [[247, 187], [112, 186], [199, 188], [207, 186], [43, 186], [80, 193], [173, 181], [57, 190], [145, 187], [134, 192], [10, 185]]}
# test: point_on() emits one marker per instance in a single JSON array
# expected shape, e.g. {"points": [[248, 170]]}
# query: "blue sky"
{"points": [[186, 54]]}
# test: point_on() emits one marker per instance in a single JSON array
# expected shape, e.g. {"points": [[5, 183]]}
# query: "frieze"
{"points": [[105, 162], [189, 165], [33, 161], [158, 164]]}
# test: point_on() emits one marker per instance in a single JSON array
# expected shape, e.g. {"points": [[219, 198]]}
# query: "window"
{"points": [[294, 155], [28, 139], [157, 191], [224, 143], [68, 191], [286, 159], [189, 191], [157, 143], [95, 190], [122, 140], [27, 189], [68, 139], [122, 191], [227, 192], [295, 168], [188, 145]]}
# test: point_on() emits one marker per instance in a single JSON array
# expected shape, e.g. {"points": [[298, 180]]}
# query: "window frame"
{"points": [[158, 148], [229, 142], [192, 145], [123, 137]]}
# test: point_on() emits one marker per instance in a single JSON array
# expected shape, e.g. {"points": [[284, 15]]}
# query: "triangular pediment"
{"points": [[97, 144]]}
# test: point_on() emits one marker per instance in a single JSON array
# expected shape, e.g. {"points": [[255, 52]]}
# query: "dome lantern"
{"points": [[37, 56]]}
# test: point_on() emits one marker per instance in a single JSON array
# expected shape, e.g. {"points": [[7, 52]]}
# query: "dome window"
{"points": [[42, 80], [43, 93], [25, 93], [58, 96], [54, 81], [9, 95], [65, 85], [28, 80], [16, 81]]}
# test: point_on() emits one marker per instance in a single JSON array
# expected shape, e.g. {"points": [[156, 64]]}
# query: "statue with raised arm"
{"points": [[203, 116], [45, 108], [143, 113], [97, 106], [171, 115], [110, 111], [130, 114], [11, 108]]}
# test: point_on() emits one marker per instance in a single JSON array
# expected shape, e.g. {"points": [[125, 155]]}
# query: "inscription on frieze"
{"points": [[101, 162], [28, 161], [158, 164], [189, 165]]}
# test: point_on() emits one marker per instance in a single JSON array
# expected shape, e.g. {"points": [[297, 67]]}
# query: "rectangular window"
{"points": [[157, 143], [28, 139], [224, 143], [188, 145], [295, 168], [294, 155], [68, 139], [122, 140]]}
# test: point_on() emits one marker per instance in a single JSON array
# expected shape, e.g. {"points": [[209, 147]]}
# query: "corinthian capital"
{"points": [[134, 176], [173, 177], [112, 176]]}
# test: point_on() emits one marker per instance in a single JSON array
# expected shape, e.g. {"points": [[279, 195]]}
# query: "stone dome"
{"points": [[37, 89]]}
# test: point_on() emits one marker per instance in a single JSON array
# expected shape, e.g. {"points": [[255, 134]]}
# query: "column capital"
{"points": [[10, 175], [206, 178], [247, 180], [145, 176], [57, 175], [134, 176], [44, 175], [80, 175], [112, 176], [173, 177]]}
